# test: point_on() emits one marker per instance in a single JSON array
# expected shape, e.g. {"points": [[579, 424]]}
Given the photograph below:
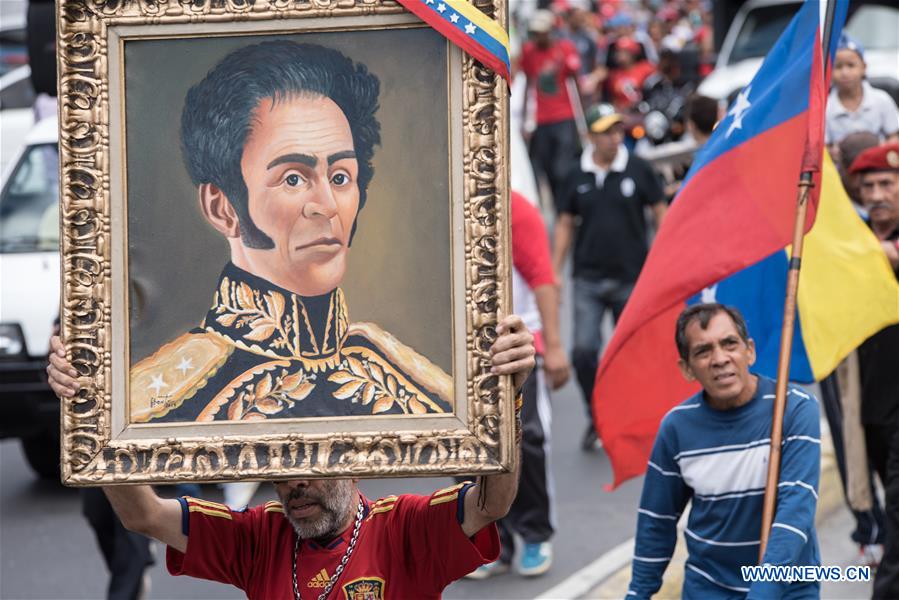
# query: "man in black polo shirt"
{"points": [[602, 210]]}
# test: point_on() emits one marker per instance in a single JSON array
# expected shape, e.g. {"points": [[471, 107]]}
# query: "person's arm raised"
{"points": [[138, 507], [490, 498], [142, 511]]}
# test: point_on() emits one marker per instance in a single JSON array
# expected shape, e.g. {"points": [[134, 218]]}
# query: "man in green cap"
{"points": [[601, 210]]}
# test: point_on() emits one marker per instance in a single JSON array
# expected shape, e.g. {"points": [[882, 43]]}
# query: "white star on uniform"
{"points": [[429, 1], [441, 7], [185, 365], [470, 29], [157, 384], [739, 109], [709, 294], [454, 18]]}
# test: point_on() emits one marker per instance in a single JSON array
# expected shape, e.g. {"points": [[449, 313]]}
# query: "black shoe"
{"points": [[589, 440]]}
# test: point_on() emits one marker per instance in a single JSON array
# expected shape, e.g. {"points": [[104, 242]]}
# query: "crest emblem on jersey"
{"points": [[365, 588], [627, 187]]}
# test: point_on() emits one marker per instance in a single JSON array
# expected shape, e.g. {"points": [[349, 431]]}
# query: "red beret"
{"points": [[879, 158]]}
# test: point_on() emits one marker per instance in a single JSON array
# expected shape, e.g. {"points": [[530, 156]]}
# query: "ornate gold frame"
{"points": [[97, 447]]}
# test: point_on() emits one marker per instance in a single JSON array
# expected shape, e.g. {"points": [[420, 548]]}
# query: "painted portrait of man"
{"points": [[278, 140]]}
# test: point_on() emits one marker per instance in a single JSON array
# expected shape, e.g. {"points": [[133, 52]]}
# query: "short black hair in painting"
{"points": [[217, 116], [704, 313]]}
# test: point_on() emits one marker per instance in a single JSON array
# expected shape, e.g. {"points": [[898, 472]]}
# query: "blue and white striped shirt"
{"points": [[719, 460]]}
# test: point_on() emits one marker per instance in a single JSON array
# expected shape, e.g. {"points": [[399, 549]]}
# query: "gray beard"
{"points": [[337, 508]]}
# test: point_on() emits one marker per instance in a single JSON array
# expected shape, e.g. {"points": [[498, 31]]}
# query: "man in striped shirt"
{"points": [[713, 449]]}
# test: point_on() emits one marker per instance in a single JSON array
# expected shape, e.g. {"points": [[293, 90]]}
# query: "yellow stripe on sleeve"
{"points": [[442, 499], [381, 509], [213, 505], [450, 489], [210, 512]]}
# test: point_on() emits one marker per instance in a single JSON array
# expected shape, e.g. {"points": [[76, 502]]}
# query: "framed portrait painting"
{"points": [[285, 242]]}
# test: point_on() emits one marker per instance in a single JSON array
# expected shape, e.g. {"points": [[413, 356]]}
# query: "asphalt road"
{"points": [[48, 551]]}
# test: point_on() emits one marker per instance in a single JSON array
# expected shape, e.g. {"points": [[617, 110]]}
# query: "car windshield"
{"points": [[29, 202], [875, 26], [760, 31]]}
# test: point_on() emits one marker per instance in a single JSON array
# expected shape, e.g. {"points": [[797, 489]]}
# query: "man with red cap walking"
{"points": [[878, 170]]}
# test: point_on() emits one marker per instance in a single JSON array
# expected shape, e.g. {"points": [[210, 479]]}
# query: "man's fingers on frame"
{"points": [[511, 323], [512, 355], [511, 340], [62, 365], [59, 376], [522, 348], [517, 366], [56, 346]]}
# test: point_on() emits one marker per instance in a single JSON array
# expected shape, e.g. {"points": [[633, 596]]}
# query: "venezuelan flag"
{"points": [[847, 291], [735, 211], [467, 27]]}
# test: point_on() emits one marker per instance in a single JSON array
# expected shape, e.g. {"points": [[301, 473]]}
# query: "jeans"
{"points": [[554, 151], [591, 300]]}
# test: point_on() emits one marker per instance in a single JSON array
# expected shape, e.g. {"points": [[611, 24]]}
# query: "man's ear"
{"points": [[752, 357], [685, 370], [218, 210]]}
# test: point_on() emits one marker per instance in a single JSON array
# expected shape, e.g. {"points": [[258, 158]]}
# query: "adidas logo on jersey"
{"points": [[320, 580]]}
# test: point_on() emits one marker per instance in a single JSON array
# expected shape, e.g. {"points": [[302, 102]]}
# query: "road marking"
{"points": [[581, 582]]}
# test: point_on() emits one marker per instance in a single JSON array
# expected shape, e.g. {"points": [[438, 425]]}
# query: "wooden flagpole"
{"points": [[786, 336]]}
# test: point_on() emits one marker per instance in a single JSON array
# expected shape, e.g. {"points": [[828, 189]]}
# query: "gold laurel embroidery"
{"points": [[271, 395], [366, 382], [241, 306]]}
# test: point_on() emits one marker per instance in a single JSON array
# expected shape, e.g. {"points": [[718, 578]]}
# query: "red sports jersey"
{"points": [[408, 547]]}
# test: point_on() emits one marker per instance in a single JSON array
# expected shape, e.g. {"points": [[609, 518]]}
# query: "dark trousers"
{"points": [[883, 452], [529, 515], [554, 151], [886, 582], [127, 554], [869, 525], [591, 301]]}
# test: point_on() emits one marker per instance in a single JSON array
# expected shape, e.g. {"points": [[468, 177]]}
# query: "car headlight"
{"points": [[12, 341]]}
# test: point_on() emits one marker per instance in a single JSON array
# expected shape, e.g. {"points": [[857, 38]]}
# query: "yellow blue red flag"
{"points": [[467, 27], [733, 215]]}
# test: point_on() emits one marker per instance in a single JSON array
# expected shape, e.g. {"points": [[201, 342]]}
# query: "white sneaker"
{"points": [[497, 567]]}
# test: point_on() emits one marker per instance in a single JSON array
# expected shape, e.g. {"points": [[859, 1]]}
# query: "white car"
{"points": [[758, 24], [29, 296]]}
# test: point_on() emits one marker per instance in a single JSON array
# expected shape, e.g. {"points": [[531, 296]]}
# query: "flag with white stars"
{"points": [[467, 27], [736, 208]]}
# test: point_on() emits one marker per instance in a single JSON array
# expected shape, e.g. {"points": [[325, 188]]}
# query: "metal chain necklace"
{"points": [[357, 525]]}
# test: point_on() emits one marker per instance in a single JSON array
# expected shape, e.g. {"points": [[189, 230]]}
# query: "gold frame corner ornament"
{"points": [[94, 451]]}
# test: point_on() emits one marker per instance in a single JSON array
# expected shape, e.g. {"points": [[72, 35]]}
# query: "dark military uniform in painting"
{"points": [[264, 352]]}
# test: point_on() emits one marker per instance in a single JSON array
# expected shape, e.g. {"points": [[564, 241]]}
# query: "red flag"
{"points": [[736, 207]]}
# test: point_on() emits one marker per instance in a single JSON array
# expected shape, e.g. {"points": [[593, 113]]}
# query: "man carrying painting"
{"points": [[324, 534], [712, 450]]}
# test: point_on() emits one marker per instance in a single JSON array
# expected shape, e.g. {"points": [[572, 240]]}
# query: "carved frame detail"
{"points": [[91, 455]]}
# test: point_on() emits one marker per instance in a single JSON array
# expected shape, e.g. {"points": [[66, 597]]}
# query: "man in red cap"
{"points": [[550, 64], [878, 171]]}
